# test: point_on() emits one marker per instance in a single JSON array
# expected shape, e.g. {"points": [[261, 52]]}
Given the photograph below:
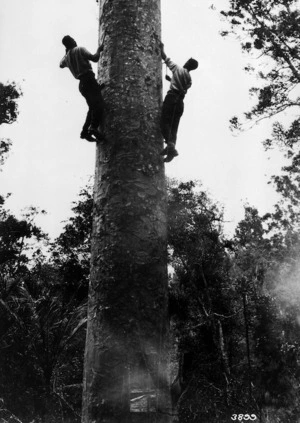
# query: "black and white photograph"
{"points": [[149, 211]]}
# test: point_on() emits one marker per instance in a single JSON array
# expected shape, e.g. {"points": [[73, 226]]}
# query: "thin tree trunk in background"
{"points": [[247, 344], [125, 376]]}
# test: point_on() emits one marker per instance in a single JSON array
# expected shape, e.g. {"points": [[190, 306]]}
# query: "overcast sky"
{"points": [[49, 163]]}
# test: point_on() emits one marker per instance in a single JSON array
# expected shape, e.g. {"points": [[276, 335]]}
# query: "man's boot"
{"points": [[85, 135], [171, 152], [96, 133]]}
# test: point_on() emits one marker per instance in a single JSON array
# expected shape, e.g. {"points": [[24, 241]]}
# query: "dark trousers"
{"points": [[90, 89], [172, 111]]}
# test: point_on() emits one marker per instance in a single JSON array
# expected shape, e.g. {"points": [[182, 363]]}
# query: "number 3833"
{"points": [[243, 417]]}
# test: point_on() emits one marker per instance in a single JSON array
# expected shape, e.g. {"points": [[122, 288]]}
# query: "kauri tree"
{"points": [[125, 376]]}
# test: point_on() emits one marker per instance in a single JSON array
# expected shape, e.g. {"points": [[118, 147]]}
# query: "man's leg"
{"points": [[166, 121], [85, 129], [96, 105], [90, 90], [87, 122], [177, 113], [166, 117]]}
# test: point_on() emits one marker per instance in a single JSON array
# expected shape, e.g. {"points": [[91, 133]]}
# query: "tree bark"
{"points": [[125, 378]]}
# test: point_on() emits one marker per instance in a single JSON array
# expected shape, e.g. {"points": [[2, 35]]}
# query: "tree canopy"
{"points": [[269, 31], [9, 96]]}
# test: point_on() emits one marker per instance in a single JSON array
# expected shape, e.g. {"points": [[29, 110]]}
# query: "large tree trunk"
{"points": [[125, 363]]}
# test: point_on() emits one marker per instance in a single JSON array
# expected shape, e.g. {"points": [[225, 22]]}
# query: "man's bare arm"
{"points": [[62, 63], [162, 51], [95, 57]]}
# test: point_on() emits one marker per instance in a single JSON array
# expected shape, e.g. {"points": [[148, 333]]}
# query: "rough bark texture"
{"points": [[125, 364]]}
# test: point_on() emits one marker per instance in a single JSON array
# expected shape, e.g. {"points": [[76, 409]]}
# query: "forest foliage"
{"points": [[233, 312]]}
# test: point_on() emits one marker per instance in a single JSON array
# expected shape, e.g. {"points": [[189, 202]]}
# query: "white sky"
{"points": [[49, 163]]}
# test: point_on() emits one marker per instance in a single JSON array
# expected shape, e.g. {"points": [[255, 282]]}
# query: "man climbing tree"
{"points": [[173, 105], [126, 377], [77, 59]]}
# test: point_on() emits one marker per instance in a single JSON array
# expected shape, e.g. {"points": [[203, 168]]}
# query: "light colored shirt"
{"points": [[181, 79], [77, 60]]}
